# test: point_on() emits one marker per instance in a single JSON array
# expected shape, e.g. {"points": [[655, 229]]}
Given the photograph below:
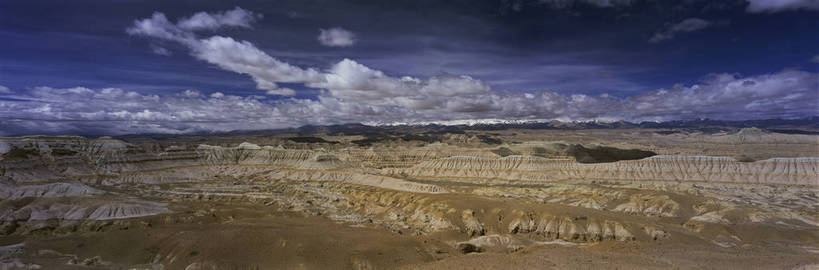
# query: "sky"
{"points": [[124, 67]]}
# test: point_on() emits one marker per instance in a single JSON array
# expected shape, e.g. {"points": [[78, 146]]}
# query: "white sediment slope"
{"points": [[69, 201], [11, 191], [83, 209], [797, 171]]}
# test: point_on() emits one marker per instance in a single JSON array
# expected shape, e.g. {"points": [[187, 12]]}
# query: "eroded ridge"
{"points": [[797, 171]]}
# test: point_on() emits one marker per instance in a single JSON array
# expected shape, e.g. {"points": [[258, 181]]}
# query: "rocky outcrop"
{"points": [[650, 205], [503, 243], [655, 233], [802, 171], [585, 196], [472, 226], [570, 229]]}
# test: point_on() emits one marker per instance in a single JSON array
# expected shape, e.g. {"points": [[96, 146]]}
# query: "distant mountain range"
{"points": [[808, 125]]}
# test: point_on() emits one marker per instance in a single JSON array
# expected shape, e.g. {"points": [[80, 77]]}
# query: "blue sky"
{"points": [[326, 62]]}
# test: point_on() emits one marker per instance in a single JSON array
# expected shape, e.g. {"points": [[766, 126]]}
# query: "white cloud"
{"points": [[243, 57], [815, 59], [687, 25], [772, 6], [4, 90], [336, 37], [191, 93], [281, 92], [225, 52], [351, 80], [158, 26], [236, 17], [452, 86]]}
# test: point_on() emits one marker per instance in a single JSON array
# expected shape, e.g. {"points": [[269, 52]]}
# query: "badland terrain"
{"points": [[677, 195]]}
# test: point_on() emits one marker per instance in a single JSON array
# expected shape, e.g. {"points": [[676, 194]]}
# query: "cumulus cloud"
{"points": [[225, 52], [158, 26], [350, 80], [772, 6], [336, 37], [245, 58], [687, 25], [4, 90]]}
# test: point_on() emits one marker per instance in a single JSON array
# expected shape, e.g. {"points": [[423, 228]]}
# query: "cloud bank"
{"points": [[352, 92], [785, 94]]}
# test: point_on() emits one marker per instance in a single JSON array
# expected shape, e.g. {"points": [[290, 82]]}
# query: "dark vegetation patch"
{"points": [[20, 153], [667, 132], [369, 140], [428, 138], [745, 159], [602, 154], [447, 131], [308, 139], [712, 130], [795, 131], [141, 151], [543, 152], [503, 151], [488, 140], [58, 152]]}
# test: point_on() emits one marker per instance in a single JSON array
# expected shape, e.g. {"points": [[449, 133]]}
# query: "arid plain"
{"points": [[356, 197]]}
